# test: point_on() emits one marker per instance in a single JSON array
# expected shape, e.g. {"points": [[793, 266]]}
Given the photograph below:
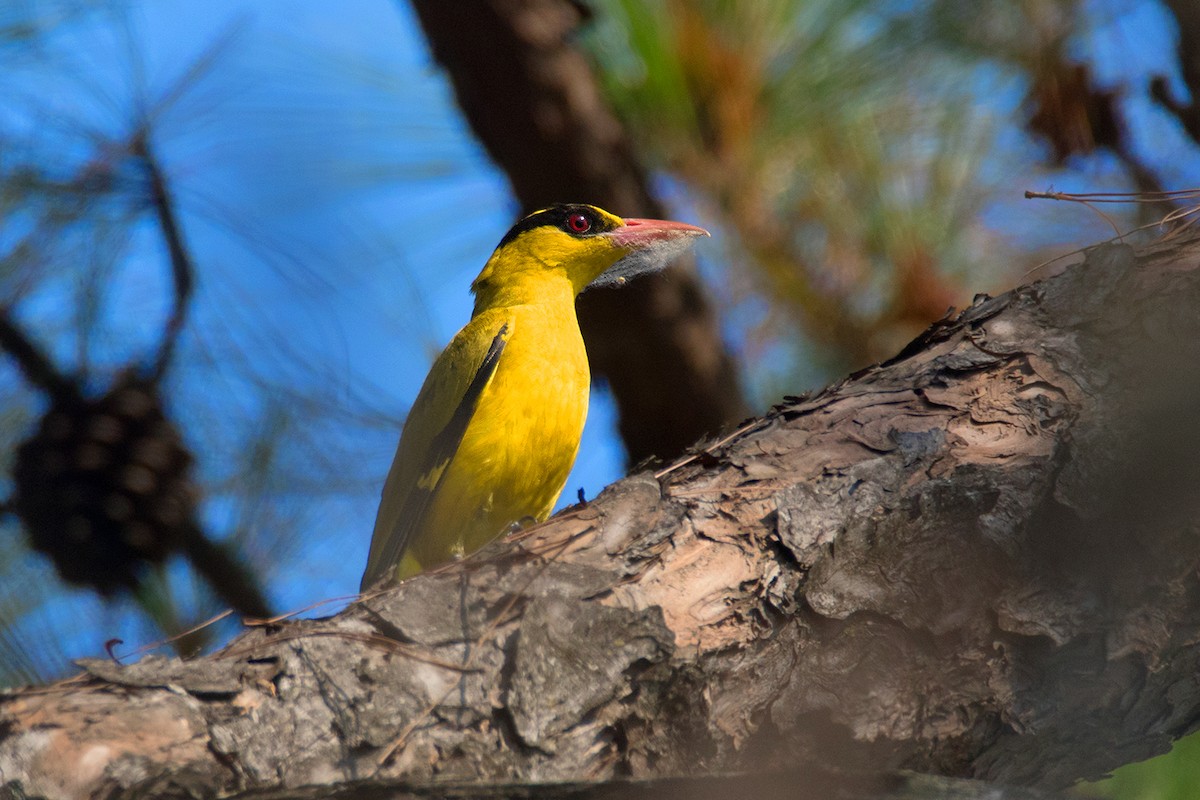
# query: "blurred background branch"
{"points": [[1187, 49]]}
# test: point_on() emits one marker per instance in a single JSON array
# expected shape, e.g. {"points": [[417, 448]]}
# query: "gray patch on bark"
{"points": [[572, 659]]}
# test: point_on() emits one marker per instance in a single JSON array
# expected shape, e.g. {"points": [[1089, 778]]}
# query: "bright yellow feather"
{"points": [[494, 430]]}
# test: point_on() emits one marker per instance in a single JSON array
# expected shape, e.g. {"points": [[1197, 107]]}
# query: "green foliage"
{"points": [[849, 167], [851, 148], [1173, 776]]}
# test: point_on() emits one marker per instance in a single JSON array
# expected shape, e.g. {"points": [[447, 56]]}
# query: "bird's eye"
{"points": [[579, 223]]}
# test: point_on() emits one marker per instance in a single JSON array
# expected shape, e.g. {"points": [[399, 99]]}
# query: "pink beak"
{"points": [[638, 233]]}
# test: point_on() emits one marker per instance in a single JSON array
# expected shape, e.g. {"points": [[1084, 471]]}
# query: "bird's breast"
{"points": [[539, 393], [526, 430]]}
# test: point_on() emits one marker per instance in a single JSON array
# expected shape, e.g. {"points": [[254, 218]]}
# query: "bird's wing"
{"points": [[432, 433]]}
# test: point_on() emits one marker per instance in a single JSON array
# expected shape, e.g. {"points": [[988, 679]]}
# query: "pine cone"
{"points": [[103, 487]]}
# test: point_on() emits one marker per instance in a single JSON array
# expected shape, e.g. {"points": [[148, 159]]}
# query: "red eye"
{"points": [[579, 223]]}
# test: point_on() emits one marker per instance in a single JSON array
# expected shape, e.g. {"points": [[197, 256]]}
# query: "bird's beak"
{"points": [[649, 245], [636, 234]]}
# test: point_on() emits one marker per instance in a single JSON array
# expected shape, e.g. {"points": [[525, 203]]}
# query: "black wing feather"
{"points": [[441, 451]]}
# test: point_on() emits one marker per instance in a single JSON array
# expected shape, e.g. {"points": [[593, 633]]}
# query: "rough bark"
{"points": [[533, 101], [978, 559]]}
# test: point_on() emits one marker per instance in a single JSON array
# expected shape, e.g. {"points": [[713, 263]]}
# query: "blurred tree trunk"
{"points": [[1187, 16], [531, 98], [978, 559]]}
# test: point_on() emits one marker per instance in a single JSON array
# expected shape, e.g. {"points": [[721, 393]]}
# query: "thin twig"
{"points": [[1088, 198], [347, 598], [710, 450], [183, 269], [146, 648], [37, 368], [1114, 197]]}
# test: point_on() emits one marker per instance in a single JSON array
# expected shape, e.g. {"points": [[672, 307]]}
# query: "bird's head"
{"points": [[585, 245]]}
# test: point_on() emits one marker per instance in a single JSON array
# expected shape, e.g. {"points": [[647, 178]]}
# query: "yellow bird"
{"points": [[495, 429]]}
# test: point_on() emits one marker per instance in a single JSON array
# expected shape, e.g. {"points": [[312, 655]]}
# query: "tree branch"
{"points": [[183, 271], [34, 364], [978, 559]]}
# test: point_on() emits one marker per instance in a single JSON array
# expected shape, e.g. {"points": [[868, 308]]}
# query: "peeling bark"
{"points": [[978, 559]]}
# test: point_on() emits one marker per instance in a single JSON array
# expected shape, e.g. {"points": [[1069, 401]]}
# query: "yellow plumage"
{"points": [[496, 426]]}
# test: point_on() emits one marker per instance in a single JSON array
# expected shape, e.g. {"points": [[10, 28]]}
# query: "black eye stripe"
{"points": [[557, 216]]}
